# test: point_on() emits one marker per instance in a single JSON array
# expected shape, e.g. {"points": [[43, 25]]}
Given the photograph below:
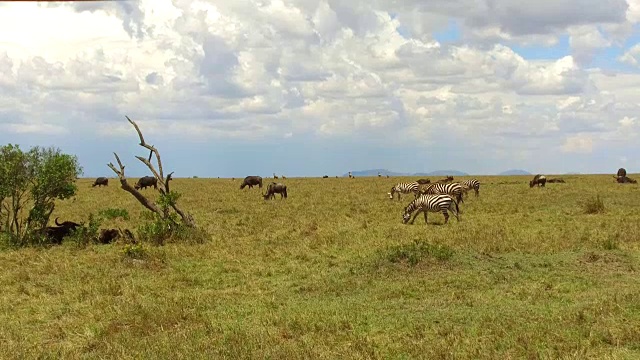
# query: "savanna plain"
{"points": [[331, 272]]}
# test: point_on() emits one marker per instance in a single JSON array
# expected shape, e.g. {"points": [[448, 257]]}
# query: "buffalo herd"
{"points": [[58, 232]]}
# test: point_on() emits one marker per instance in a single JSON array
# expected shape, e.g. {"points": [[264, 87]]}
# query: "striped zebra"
{"points": [[404, 188], [453, 189], [471, 184], [431, 203]]}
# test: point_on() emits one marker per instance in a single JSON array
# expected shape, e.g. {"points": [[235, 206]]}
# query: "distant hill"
{"points": [[443, 173], [515, 172], [374, 172], [384, 172]]}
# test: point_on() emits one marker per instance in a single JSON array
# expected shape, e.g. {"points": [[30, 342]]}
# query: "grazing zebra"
{"points": [[453, 189], [471, 184], [431, 203], [404, 188]]}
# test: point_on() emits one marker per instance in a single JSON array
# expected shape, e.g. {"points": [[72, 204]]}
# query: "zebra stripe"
{"points": [[471, 184], [453, 189], [404, 188], [431, 203]]}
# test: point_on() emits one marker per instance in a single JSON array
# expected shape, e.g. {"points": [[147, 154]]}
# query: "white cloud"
{"points": [[334, 69], [580, 143]]}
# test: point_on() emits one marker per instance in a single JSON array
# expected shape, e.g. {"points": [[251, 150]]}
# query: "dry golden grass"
{"points": [[332, 272]]}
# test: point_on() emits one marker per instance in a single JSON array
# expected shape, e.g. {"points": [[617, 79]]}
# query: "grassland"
{"points": [[332, 272]]}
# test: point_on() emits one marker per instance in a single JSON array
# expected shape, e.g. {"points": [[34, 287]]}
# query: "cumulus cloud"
{"points": [[581, 143], [331, 70]]}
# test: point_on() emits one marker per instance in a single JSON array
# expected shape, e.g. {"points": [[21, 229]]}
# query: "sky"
{"points": [[315, 87]]}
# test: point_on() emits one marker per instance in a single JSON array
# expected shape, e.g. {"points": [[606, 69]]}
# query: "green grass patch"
{"points": [[332, 273]]}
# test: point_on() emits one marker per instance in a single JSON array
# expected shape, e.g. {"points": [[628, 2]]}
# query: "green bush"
{"points": [[30, 182]]}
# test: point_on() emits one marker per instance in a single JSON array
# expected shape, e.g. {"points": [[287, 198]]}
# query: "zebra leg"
{"points": [[454, 211], [416, 215], [446, 215], [425, 216]]}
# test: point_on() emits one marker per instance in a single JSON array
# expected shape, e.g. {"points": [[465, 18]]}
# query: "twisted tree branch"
{"points": [[187, 219]]}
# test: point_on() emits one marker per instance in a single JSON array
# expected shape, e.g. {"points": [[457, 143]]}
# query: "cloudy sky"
{"points": [[314, 87]]}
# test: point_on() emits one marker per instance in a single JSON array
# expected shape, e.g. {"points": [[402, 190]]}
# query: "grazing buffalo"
{"points": [[325, 177], [556, 180], [145, 181], [625, 180], [251, 181], [445, 180], [539, 180], [621, 172], [107, 236], [101, 181], [274, 189], [57, 233], [423, 181]]}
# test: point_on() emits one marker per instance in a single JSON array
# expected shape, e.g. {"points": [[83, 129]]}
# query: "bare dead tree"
{"points": [[163, 181]]}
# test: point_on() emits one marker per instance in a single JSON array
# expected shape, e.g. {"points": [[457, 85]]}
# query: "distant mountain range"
{"points": [[385, 172], [514, 172]]}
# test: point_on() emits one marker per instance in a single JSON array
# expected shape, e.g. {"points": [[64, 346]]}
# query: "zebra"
{"points": [[404, 188], [471, 184], [453, 189], [431, 203]]}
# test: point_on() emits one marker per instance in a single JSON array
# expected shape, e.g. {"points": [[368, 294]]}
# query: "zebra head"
{"points": [[393, 190], [406, 216]]}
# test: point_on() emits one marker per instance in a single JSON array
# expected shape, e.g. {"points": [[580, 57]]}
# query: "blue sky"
{"points": [[326, 87]]}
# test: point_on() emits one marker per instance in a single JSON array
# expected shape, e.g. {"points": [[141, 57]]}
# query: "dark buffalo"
{"points": [[145, 181], [423, 181], [57, 233], [621, 172], [274, 189], [251, 181], [625, 180], [325, 177], [101, 181], [445, 180], [107, 236], [539, 180]]}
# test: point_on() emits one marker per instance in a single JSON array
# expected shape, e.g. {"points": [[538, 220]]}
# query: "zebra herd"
{"points": [[441, 197]]}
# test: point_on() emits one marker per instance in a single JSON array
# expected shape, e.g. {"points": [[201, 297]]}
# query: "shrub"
{"points": [[158, 231], [30, 182], [114, 213]]}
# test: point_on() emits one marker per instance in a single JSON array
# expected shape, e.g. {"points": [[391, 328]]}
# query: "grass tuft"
{"points": [[418, 251], [594, 205]]}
